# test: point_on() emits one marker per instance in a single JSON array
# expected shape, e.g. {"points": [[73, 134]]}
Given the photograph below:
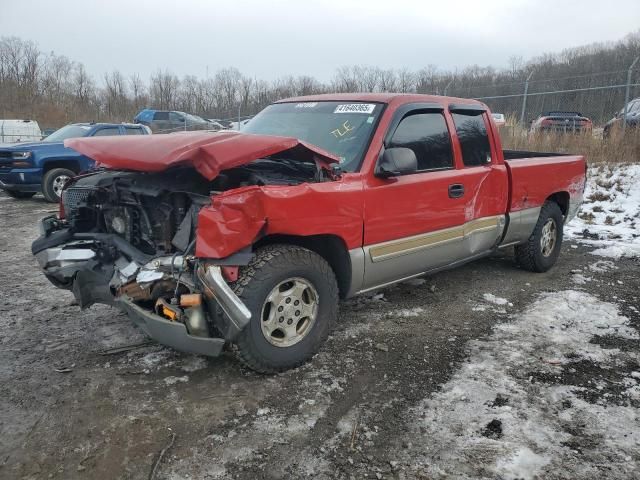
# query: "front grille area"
{"points": [[72, 197]]}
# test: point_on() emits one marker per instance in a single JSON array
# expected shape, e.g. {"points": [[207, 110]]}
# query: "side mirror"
{"points": [[395, 162]]}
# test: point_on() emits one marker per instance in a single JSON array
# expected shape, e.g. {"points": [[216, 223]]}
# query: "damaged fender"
{"points": [[238, 218]]}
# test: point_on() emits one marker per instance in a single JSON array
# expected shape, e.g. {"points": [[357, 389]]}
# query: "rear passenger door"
{"points": [[160, 122], [177, 121], [482, 177], [413, 222]]}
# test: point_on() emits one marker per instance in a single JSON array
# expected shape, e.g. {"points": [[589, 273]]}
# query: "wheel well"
{"points": [[330, 247], [562, 199], [70, 164]]}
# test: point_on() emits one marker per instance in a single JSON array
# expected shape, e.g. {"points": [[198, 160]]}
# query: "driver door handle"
{"points": [[456, 190]]}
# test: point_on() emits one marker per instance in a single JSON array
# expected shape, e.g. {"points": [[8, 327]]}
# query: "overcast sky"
{"points": [[271, 38]]}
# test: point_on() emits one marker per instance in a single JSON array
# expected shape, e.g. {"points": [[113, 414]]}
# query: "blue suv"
{"points": [[28, 168]]}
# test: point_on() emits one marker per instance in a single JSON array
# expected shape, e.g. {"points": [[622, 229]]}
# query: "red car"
{"points": [[562, 122], [251, 238]]}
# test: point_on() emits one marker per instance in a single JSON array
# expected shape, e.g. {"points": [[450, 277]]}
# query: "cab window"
{"points": [[473, 137], [427, 135], [106, 132]]}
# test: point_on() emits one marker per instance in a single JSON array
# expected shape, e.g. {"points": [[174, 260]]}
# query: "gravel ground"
{"points": [[451, 376]]}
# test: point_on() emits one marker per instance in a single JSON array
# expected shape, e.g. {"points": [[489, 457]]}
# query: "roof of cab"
{"points": [[397, 98]]}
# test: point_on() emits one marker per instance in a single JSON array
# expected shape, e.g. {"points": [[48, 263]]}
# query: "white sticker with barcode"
{"points": [[366, 108]]}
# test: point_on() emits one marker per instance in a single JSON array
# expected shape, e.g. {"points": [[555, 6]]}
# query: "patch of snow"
{"points": [[159, 359], [496, 419], [174, 380], [491, 298], [618, 249], [602, 266], [610, 212], [408, 312], [580, 279], [194, 363], [415, 282]]}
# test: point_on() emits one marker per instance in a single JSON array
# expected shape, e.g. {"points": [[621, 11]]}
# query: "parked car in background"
{"points": [[216, 124], [167, 121], [499, 119], [208, 239], [14, 131], [562, 122], [632, 117], [47, 131], [45, 166]]}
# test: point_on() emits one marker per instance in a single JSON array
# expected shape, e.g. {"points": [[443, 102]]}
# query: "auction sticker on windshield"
{"points": [[355, 108]]}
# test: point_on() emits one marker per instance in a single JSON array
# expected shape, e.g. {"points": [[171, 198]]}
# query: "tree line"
{"points": [[55, 90]]}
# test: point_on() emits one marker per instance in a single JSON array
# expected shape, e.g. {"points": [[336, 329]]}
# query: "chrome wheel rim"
{"points": [[289, 312], [548, 237], [58, 184]]}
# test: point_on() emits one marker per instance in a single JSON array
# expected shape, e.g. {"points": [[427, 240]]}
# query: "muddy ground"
{"points": [[72, 407]]}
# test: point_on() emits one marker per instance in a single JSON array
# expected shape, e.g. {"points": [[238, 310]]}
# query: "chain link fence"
{"points": [[597, 96]]}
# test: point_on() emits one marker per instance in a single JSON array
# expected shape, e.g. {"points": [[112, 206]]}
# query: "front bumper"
{"points": [[21, 180], [170, 333], [94, 266]]}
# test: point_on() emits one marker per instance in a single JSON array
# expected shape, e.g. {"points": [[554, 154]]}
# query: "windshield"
{"points": [[69, 131], [341, 128]]}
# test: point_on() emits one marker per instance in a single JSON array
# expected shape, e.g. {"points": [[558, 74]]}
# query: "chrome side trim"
{"points": [[394, 248], [390, 262], [521, 225]]}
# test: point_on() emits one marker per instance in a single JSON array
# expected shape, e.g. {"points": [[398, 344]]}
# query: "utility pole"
{"points": [[524, 98], [444, 92], [627, 92]]}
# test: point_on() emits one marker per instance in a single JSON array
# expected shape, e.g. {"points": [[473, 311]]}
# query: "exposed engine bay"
{"points": [[156, 212], [127, 238]]}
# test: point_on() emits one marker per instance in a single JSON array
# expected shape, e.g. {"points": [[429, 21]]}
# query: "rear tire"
{"points": [[19, 195], [540, 252], [292, 294], [53, 182]]}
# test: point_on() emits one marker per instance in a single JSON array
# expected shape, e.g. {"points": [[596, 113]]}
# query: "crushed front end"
{"points": [[127, 239]]}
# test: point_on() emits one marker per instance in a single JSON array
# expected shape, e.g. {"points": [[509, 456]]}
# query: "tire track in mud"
{"points": [[391, 371]]}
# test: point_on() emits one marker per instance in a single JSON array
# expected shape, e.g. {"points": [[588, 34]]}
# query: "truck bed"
{"points": [[521, 154], [537, 176]]}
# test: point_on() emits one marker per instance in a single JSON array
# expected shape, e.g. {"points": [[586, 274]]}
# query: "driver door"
{"points": [[414, 223]]}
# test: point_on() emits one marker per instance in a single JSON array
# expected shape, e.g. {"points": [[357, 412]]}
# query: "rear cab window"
{"points": [[472, 134], [133, 131], [425, 133]]}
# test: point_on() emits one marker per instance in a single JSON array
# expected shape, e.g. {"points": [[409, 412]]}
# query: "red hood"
{"points": [[207, 152]]}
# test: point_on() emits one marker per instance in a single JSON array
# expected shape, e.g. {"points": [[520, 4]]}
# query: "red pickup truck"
{"points": [[250, 239]]}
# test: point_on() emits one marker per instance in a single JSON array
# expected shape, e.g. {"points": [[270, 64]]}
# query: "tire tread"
{"points": [[256, 272]]}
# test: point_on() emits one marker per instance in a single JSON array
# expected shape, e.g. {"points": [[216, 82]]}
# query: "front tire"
{"points": [[54, 181], [540, 252], [292, 294], [19, 195]]}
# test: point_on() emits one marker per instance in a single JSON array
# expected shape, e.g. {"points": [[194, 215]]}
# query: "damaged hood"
{"points": [[207, 152]]}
